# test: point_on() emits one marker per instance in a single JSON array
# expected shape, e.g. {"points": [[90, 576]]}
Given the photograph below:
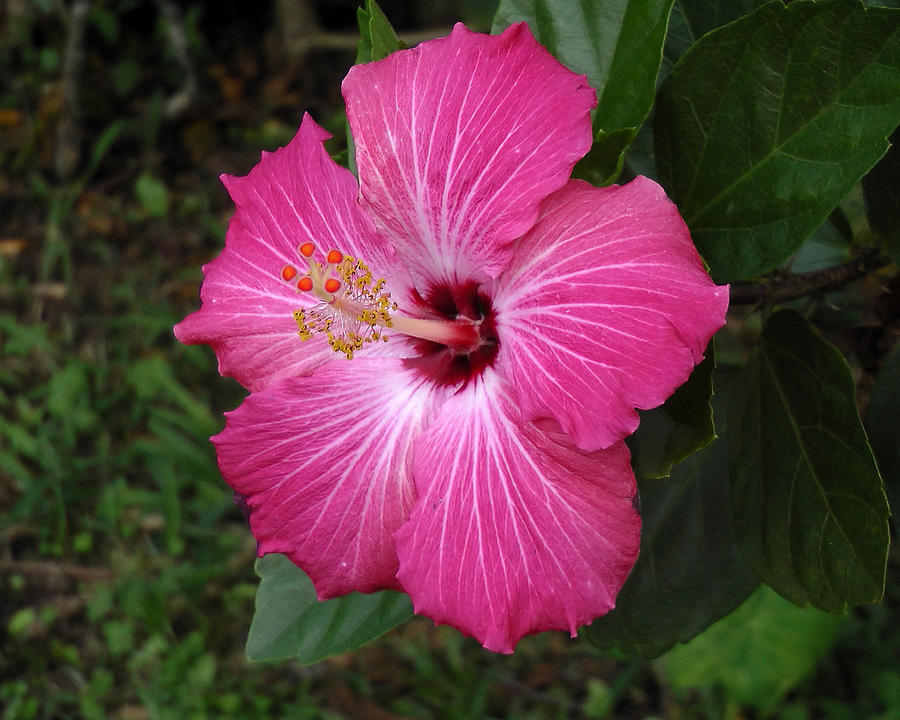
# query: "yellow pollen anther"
{"points": [[353, 310]]}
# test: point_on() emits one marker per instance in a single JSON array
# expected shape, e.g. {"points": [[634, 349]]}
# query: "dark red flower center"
{"points": [[465, 304]]}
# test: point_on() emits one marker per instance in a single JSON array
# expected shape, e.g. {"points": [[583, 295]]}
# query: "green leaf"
{"points": [[68, 397], [102, 146], [758, 653], [364, 47], [883, 422], [363, 55], [606, 158], [126, 74], [689, 573], [825, 248], [681, 426], [691, 19], [618, 45], [808, 502], [106, 22], [764, 125], [384, 39], [291, 623], [22, 622], [688, 21], [153, 195], [881, 193], [377, 38]]}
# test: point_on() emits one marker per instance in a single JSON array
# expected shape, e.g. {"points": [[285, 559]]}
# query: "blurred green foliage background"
{"points": [[126, 571]]}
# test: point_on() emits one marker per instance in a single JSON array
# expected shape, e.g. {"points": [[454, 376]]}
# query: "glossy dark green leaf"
{"points": [[692, 19], [808, 501], [291, 623], [689, 573], [757, 653], [883, 421], [688, 21], [681, 426], [765, 124], [618, 45]]}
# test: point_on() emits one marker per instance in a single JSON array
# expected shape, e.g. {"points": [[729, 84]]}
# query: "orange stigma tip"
{"points": [[305, 284], [335, 256], [288, 273], [332, 285], [307, 249]]}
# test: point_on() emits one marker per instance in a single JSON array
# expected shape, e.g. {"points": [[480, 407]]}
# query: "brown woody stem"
{"points": [[782, 287]]}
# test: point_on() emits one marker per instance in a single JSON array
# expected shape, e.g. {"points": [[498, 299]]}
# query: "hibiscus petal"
{"points": [[606, 306], [515, 530], [324, 463], [457, 142], [294, 195]]}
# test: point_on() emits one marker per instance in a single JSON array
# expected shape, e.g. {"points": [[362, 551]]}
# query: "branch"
{"points": [[68, 130], [178, 103], [784, 287], [50, 568]]}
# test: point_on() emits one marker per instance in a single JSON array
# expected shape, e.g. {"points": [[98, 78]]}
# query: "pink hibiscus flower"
{"points": [[503, 320]]}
